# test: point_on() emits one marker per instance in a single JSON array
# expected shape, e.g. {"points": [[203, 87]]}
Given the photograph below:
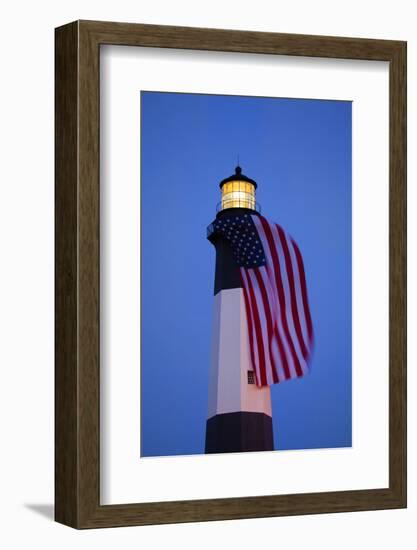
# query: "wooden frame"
{"points": [[77, 274]]}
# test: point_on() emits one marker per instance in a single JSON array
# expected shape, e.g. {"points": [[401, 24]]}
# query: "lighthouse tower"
{"points": [[239, 411]]}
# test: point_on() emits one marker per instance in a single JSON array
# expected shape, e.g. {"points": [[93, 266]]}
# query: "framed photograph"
{"points": [[230, 274]]}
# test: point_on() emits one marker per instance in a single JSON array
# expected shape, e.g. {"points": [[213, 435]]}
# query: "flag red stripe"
{"points": [[278, 295], [250, 326], [258, 332], [279, 285], [283, 356], [294, 308], [269, 322], [276, 337], [263, 325], [303, 284]]}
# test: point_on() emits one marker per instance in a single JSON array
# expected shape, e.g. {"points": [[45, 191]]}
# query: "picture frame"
{"points": [[77, 274]]}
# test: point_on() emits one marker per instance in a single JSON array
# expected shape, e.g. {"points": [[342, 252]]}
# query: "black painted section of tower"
{"points": [[227, 274], [239, 432]]}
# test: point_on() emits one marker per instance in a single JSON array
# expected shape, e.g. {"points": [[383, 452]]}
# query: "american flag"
{"points": [[275, 292]]}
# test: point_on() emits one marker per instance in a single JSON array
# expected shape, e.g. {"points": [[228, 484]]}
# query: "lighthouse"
{"points": [[239, 411]]}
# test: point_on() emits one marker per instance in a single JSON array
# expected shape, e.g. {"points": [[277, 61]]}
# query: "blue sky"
{"points": [[299, 152]]}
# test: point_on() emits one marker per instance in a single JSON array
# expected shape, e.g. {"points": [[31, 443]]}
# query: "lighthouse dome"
{"points": [[238, 176]]}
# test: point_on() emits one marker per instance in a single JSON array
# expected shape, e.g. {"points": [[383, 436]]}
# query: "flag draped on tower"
{"points": [[274, 286]]}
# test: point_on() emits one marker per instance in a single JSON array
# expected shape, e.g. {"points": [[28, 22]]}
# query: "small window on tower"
{"points": [[251, 377]]}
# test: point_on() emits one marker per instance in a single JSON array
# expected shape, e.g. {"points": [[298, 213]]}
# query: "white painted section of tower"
{"points": [[229, 390]]}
